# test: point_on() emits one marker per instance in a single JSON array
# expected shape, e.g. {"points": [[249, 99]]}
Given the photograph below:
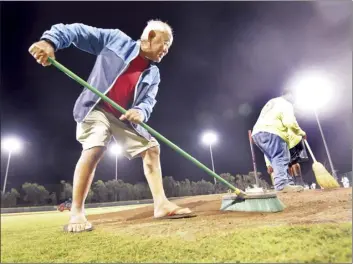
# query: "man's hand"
{"points": [[269, 170], [41, 50], [305, 137], [132, 115]]}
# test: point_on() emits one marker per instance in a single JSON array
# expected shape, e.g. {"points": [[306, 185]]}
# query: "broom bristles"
{"points": [[323, 177]]}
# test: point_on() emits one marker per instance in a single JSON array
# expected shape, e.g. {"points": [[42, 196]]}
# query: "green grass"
{"points": [[38, 238]]}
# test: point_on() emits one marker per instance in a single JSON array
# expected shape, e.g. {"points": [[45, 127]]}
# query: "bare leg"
{"points": [[297, 170], [153, 173], [83, 177], [298, 173]]}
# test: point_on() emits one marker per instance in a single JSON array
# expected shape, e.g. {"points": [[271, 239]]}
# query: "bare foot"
{"points": [[169, 208], [78, 224]]}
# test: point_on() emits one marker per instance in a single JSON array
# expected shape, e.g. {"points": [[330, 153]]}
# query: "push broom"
{"points": [[246, 202], [230, 202], [323, 177]]}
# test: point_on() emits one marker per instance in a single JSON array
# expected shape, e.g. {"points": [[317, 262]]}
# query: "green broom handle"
{"points": [[149, 129]]}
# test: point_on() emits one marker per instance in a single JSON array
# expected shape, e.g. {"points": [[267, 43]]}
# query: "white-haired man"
{"points": [[126, 71]]}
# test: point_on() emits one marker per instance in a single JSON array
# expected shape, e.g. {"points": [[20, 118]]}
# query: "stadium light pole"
{"points": [[313, 90], [11, 145], [209, 138], [116, 150]]}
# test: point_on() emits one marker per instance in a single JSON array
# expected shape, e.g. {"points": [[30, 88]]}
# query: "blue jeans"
{"points": [[277, 152]]}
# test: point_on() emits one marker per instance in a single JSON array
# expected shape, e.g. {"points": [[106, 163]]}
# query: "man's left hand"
{"points": [[133, 115]]}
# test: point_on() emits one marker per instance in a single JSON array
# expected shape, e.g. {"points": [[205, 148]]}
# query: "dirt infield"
{"points": [[309, 207]]}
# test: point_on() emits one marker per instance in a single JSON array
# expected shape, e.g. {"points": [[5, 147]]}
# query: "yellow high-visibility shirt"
{"points": [[277, 117], [293, 139]]}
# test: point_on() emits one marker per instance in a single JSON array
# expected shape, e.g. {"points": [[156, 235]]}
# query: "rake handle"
{"points": [[253, 157], [309, 149], [148, 128]]}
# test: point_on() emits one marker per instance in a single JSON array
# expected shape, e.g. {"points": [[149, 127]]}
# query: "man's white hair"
{"points": [[157, 25]]}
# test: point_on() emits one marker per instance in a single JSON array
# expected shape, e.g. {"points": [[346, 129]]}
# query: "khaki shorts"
{"points": [[99, 127]]}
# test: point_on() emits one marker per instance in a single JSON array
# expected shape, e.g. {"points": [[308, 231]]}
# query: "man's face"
{"points": [[158, 45]]}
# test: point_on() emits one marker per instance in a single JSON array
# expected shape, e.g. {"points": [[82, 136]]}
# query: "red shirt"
{"points": [[123, 89]]}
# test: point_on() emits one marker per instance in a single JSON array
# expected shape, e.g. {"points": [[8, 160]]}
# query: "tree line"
{"points": [[33, 194]]}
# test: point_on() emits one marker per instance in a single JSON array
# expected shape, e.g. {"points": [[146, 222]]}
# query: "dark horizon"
{"points": [[227, 60]]}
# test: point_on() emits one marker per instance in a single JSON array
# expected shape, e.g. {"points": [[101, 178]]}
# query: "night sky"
{"points": [[227, 60]]}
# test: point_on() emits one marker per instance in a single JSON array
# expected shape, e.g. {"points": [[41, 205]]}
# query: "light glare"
{"points": [[12, 144], [115, 149], [312, 90], [209, 138]]}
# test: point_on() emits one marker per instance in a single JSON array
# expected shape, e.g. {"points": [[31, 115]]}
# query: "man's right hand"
{"points": [[41, 50]]}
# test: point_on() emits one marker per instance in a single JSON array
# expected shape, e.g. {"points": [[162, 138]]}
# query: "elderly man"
{"points": [[271, 134], [126, 71]]}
